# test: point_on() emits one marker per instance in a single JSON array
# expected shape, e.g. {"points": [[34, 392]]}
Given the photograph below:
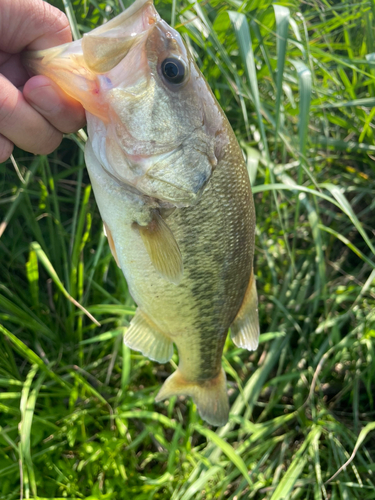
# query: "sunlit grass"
{"points": [[77, 411]]}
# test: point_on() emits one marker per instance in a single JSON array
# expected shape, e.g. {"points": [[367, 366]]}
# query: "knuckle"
{"points": [[49, 22], [56, 19]]}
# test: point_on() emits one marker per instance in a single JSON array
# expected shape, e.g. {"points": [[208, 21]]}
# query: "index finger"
{"points": [[31, 24]]}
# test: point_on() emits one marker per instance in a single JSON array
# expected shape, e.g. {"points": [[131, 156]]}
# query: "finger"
{"points": [[6, 148], [63, 112], [33, 24], [22, 125], [12, 68]]}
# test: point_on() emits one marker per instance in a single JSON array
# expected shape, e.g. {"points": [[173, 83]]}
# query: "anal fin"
{"points": [[144, 337], [245, 327], [210, 396], [162, 248]]}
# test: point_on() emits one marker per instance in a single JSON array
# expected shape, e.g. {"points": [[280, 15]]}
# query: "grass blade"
{"points": [[362, 436], [288, 481], [227, 449], [242, 32], [49, 268], [282, 25]]}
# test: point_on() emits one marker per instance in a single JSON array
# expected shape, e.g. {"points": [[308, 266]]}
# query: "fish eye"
{"points": [[173, 70]]}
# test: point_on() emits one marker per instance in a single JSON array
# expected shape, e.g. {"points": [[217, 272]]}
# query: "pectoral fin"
{"points": [[143, 336], [245, 328], [162, 248]]}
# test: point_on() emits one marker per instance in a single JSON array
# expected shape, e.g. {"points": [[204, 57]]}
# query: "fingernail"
{"points": [[44, 99]]}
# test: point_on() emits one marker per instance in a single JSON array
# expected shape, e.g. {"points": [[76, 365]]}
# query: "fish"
{"points": [[173, 192]]}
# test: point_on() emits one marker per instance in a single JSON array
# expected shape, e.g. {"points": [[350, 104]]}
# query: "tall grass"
{"points": [[77, 412]]}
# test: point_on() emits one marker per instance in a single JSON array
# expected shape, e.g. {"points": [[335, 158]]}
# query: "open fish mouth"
{"points": [[79, 67]]}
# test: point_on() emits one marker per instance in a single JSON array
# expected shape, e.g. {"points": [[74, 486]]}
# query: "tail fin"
{"points": [[209, 396]]}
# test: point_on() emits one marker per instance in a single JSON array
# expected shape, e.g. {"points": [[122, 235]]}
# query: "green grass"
{"points": [[77, 412]]}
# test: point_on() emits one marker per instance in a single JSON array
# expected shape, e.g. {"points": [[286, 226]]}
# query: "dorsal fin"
{"points": [[245, 327]]}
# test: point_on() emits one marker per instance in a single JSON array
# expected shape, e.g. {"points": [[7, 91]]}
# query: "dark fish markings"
{"points": [[216, 249]]}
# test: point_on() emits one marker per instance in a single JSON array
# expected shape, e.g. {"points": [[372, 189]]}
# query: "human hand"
{"points": [[34, 112]]}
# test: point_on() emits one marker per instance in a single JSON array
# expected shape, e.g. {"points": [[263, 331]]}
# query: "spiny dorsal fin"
{"points": [[143, 336], [245, 327], [162, 248]]}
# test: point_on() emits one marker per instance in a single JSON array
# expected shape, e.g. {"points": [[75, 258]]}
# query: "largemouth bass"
{"points": [[174, 194]]}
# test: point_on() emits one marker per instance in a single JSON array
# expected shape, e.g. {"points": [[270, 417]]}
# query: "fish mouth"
{"points": [[80, 67]]}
